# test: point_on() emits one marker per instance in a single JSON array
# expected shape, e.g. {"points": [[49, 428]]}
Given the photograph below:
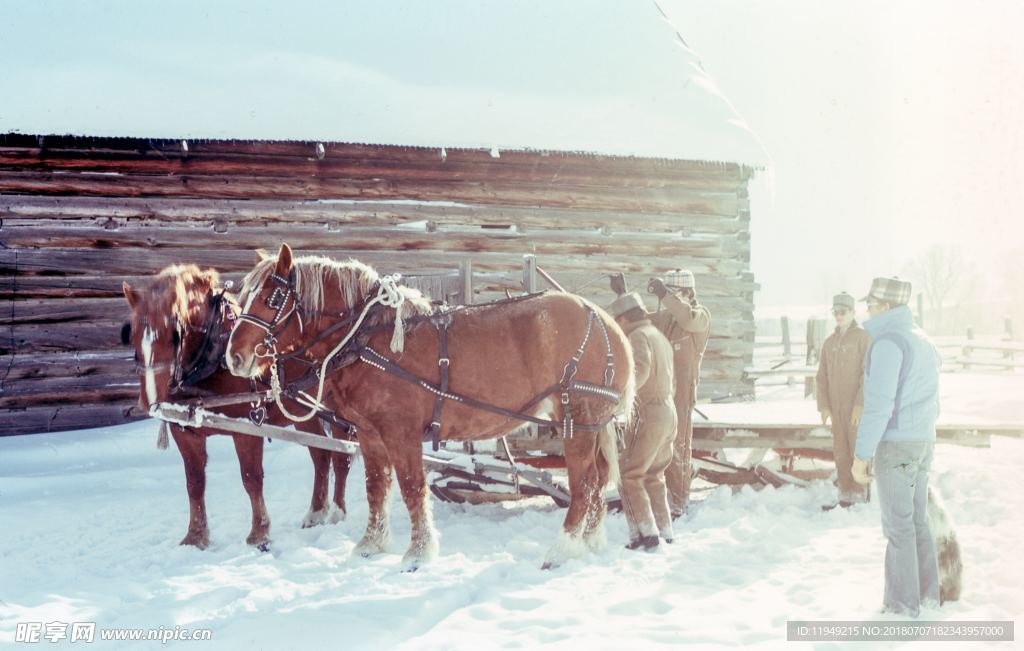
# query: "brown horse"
{"points": [[507, 356], [170, 328]]}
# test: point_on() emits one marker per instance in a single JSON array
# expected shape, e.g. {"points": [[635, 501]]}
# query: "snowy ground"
{"points": [[90, 521]]}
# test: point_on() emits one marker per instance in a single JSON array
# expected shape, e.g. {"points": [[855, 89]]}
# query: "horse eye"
{"points": [[126, 334]]}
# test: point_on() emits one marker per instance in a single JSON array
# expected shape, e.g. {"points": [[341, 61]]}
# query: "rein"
{"points": [[388, 295]]}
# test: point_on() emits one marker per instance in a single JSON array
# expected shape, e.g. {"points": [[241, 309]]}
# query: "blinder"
{"points": [[278, 300]]}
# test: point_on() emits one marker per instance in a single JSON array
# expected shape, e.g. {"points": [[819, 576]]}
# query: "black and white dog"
{"points": [[947, 548]]}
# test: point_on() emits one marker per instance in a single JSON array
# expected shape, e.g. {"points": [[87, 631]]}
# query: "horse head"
{"points": [[167, 326], [270, 322]]}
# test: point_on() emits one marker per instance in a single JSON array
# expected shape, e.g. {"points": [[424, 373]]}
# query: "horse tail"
{"points": [[626, 407], [947, 549]]}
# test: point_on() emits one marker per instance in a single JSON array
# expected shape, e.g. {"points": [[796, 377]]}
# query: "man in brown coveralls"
{"points": [[687, 325], [840, 389], [648, 444]]}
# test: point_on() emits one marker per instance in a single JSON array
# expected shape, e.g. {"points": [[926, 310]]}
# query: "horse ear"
{"points": [[130, 294], [284, 260]]}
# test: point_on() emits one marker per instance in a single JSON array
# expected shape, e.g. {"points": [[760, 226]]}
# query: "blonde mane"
{"points": [[355, 279], [190, 287]]}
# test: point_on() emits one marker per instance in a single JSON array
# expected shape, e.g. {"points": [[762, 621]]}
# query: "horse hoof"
{"points": [[199, 542], [258, 541], [409, 569], [337, 515], [264, 547], [314, 518], [368, 549], [548, 566]]}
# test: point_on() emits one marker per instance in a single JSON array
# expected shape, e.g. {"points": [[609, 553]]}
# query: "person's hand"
{"points": [[618, 283], [859, 470], [858, 411], [657, 287], [825, 415]]}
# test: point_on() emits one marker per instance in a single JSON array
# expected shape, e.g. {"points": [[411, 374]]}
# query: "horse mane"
{"points": [[355, 279], [190, 286]]}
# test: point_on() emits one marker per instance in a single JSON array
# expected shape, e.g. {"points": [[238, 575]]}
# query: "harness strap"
{"points": [[441, 320], [378, 361]]}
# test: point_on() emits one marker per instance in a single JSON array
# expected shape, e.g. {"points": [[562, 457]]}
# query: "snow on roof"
{"points": [[603, 76]]}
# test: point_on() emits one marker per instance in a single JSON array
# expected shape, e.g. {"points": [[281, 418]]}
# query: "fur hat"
{"points": [[625, 303]]}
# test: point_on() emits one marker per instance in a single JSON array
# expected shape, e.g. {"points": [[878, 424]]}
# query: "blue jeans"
{"points": [[911, 568]]}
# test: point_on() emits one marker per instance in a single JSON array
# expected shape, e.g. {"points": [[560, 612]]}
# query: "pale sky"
{"points": [[893, 125]]}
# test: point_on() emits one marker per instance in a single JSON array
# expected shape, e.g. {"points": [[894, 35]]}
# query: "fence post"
{"points": [[1008, 330], [967, 348], [466, 276], [816, 329], [786, 347], [529, 273]]}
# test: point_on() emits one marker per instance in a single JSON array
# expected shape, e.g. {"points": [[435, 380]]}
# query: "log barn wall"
{"points": [[80, 215]]}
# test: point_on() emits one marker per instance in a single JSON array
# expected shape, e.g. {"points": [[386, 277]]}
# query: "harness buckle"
{"points": [[565, 397], [444, 361]]}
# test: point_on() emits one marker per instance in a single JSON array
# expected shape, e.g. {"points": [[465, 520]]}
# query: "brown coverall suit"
{"points": [[840, 388], [687, 327], [648, 444]]}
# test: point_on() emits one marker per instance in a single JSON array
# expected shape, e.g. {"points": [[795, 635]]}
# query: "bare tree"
{"points": [[938, 273]]}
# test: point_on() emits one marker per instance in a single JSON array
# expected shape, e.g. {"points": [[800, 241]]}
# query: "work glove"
{"points": [[618, 283], [859, 470], [825, 415], [657, 287], [855, 415]]}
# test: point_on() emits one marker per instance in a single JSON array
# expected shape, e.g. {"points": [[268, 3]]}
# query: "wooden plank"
{"points": [[67, 337], [344, 167], [270, 211], [553, 242], [170, 149], [65, 310], [27, 366], [58, 418], [496, 192], [136, 261], [69, 390]]}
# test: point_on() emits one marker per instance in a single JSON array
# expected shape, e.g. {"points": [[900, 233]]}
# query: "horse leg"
{"points": [[192, 447], [250, 462], [342, 463], [318, 506], [378, 486], [413, 483], [586, 506]]}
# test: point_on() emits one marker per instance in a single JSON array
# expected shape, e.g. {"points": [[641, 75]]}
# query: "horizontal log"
{"points": [[347, 167], [269, 211], [56, 418], [69, 390], [135, 261], [239, 187], [56, 311], [116, 362], [142, 148], [105, 334], [306, 236], [66, 337], [718, 293]]}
